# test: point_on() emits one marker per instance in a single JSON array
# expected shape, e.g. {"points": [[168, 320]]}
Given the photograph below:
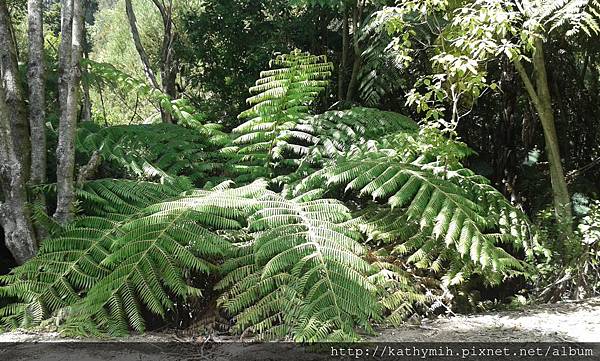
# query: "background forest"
{"points": [[294, 169]]}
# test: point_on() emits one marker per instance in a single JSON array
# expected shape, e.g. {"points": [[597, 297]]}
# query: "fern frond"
{"points": [[155, 151], [402, 293], [71, 263], [280, 98], [302, 273], [101, 272], [153, 253], [577, 15], [435, 215], [382, 64]]}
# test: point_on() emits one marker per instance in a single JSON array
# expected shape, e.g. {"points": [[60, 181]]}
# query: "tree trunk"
{"points": [[86, 106], [168, 71], [542, 101], [356, 17], [86, 101], [505, 148], [344, 62], [9, 68], [138, 45], [36, 77], [65, 151], [14, 217], [64, 53], [167, 74]]}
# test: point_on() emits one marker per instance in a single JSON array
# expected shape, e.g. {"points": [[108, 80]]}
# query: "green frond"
{"points": [[101, 272], [155, 151], [280, 98], [576, 15], [435, 214], [302, 273]]}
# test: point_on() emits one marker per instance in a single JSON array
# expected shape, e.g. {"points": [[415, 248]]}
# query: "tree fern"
{"points": [[281, 96], [439, 218], [156, 151], [301, 274], [101, 272], [577, 15]]}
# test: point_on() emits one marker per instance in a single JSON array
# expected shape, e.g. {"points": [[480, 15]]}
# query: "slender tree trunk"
{"points": [[344, 62], [138, 45], [542, 101], [86, 107], [64, 53], [168, 68], [356, 17], [167, 74], [9, 68], [14, 217], [65, 151], [505, 149], [36, 77]]}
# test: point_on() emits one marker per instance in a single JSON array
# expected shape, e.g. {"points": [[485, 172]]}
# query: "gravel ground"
{"points": [[561, 322]]}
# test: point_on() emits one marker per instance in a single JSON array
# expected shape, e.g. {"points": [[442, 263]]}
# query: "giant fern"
{"points": [[102, 273], [291, 264], [439, 217], [282, 95], [301, 275]]}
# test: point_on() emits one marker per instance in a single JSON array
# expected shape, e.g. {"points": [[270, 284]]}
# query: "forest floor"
{"points": [[561, 322]]}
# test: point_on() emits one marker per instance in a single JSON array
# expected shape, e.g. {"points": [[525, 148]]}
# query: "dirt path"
{"points": [[566, 321]]}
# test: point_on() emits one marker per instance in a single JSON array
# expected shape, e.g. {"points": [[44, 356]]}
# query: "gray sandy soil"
{"points": [[561, 322]]}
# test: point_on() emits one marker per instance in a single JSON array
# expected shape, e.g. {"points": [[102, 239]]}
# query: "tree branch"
{"points": [[89, 169], [138, 45], [528, 84]]}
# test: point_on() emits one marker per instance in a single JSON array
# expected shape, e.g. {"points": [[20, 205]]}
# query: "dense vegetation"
{"points": [[412, 159]]}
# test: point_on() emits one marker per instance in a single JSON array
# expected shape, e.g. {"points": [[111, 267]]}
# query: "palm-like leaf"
{"points": [[440, 218], [102, 273], [302, 275], [281, 96]]}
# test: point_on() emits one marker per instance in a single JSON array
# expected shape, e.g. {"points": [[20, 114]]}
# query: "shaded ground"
{"points": [[565, 321], [562, 322]]}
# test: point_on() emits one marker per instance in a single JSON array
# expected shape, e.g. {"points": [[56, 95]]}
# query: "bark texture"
{"points": [[14, 217], [36, 80], [13, 90], [168, 66], [65, 151], [542, 101]]}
